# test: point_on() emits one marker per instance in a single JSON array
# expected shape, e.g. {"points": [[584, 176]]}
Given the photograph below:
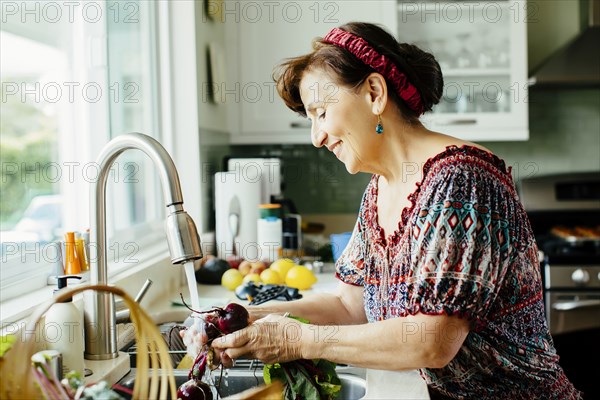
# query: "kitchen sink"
{"points": [[235, 381], [244, 375], [170, 334]]}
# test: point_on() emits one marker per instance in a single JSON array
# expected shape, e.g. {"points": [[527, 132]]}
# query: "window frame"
{"points": [[31, 271]]}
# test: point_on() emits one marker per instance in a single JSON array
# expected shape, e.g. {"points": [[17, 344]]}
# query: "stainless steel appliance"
{"points": [[577, 64], [564, 211]]}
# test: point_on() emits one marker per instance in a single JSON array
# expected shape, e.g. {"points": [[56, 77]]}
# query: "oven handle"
{"points": [[575, 305]]}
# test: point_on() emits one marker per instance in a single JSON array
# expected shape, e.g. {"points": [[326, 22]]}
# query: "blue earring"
{"points": [[379, 127]]}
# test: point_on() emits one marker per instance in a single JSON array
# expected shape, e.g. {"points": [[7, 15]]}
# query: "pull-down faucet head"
{"points": [[182, 236]]}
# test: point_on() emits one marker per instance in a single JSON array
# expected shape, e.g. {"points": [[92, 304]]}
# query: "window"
{"points": [[133, 73], [73, 76]]}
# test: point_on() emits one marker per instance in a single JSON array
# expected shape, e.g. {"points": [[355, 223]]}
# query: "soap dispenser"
{"points": [[64, 330]]}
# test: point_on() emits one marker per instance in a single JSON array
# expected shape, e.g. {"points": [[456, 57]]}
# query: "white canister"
{"points": [[269, 232]]}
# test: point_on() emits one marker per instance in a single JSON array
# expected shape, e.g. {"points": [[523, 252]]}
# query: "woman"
{"points": [[441, 273]]}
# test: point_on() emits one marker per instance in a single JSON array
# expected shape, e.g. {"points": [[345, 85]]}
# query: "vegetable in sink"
{"points": [[305, 379], [217, 322]]}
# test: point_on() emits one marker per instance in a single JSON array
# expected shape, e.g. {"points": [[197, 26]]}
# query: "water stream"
{"points": [[192, 286]]}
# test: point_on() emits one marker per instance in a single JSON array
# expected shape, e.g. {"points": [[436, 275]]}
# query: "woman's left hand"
{"points": [[271, 339]]}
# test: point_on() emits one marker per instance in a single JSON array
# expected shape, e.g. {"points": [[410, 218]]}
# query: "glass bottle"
{"points": [[80, 250], [72, 264]]}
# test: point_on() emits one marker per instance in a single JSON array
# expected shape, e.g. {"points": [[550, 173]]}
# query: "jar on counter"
{"points": [[269, 232]]}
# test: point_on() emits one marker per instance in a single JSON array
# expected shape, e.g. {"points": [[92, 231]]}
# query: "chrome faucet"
{"points": [[182, 237]]}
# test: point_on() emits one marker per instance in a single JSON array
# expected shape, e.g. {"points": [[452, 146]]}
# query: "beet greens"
{"points": [[302, 379]]}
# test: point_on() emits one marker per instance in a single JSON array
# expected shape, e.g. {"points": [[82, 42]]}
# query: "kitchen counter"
{"points": [[168, 308], [217, 295]]}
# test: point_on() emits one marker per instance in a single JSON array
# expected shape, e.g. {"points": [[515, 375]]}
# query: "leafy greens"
{"points": [[305, 379]]}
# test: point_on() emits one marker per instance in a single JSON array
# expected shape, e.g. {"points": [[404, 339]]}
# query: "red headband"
{"points": [[380, 63]]}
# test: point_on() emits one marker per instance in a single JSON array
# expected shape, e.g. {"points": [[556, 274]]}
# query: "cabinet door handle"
{"points": [[575, 305], [300, 125], [458, 122]]}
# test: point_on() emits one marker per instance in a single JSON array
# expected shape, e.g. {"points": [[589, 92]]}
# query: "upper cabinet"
{"points": [[481, 47], [482, 50], [263, 35]]}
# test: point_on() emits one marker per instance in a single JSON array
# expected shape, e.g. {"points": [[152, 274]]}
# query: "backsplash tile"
{"points": [[313, 178]]}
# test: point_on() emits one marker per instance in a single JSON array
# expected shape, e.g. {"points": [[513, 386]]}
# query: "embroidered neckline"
{"points": [[450, 150]]}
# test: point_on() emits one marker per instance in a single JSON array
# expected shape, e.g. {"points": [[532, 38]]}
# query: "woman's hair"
{"points": [[420, 67]]}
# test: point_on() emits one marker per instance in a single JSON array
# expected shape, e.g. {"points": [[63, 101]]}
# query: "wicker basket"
{"points": [[16, 368]]}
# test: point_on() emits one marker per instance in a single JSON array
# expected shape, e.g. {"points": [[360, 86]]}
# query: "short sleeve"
{"points": [[350, 266], [460, 247]]}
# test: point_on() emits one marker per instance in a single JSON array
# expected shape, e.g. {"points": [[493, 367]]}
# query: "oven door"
{"points": [[574, 320], [572, 311]]}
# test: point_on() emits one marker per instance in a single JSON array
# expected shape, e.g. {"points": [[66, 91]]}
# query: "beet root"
{"points": [[194, 390]]}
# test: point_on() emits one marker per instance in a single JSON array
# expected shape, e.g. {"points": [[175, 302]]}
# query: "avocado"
{"points": [[212, 271]]}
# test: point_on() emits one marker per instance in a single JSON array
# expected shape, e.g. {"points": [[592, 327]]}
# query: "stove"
{"points": [[564, 211]]}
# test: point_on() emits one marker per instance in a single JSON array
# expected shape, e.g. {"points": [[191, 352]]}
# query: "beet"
{"points": [[199, 367], [194, 390], [210, 327], [217, 322], [232, 318]]}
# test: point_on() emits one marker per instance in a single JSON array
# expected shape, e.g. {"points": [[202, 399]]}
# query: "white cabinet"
{"points": [[480, 45], [264, 34], [481, 48]]}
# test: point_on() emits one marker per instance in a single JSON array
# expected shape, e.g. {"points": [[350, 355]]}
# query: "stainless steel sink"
{"points": [[244, 375], [236, 381], [170, 334]]}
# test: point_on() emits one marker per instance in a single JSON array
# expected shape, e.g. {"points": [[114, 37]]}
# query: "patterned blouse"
{"points": [[464, 247]]}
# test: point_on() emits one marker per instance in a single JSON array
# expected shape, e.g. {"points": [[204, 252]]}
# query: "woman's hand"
{"points": [[271, 339], [194, 337]]}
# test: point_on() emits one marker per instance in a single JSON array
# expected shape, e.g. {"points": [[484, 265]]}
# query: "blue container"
{"points": [[338, 243]]}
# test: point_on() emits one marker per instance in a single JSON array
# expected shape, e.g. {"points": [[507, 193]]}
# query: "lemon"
{"points": [[282, 266], [300, 277], [271, 276], [232, 278], [252, 278]]}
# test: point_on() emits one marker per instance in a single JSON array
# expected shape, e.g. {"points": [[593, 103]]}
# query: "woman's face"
{"points": [[342, 120]]}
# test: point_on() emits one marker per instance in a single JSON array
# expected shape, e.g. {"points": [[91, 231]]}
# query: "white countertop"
{"points": [[217, 295]]}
